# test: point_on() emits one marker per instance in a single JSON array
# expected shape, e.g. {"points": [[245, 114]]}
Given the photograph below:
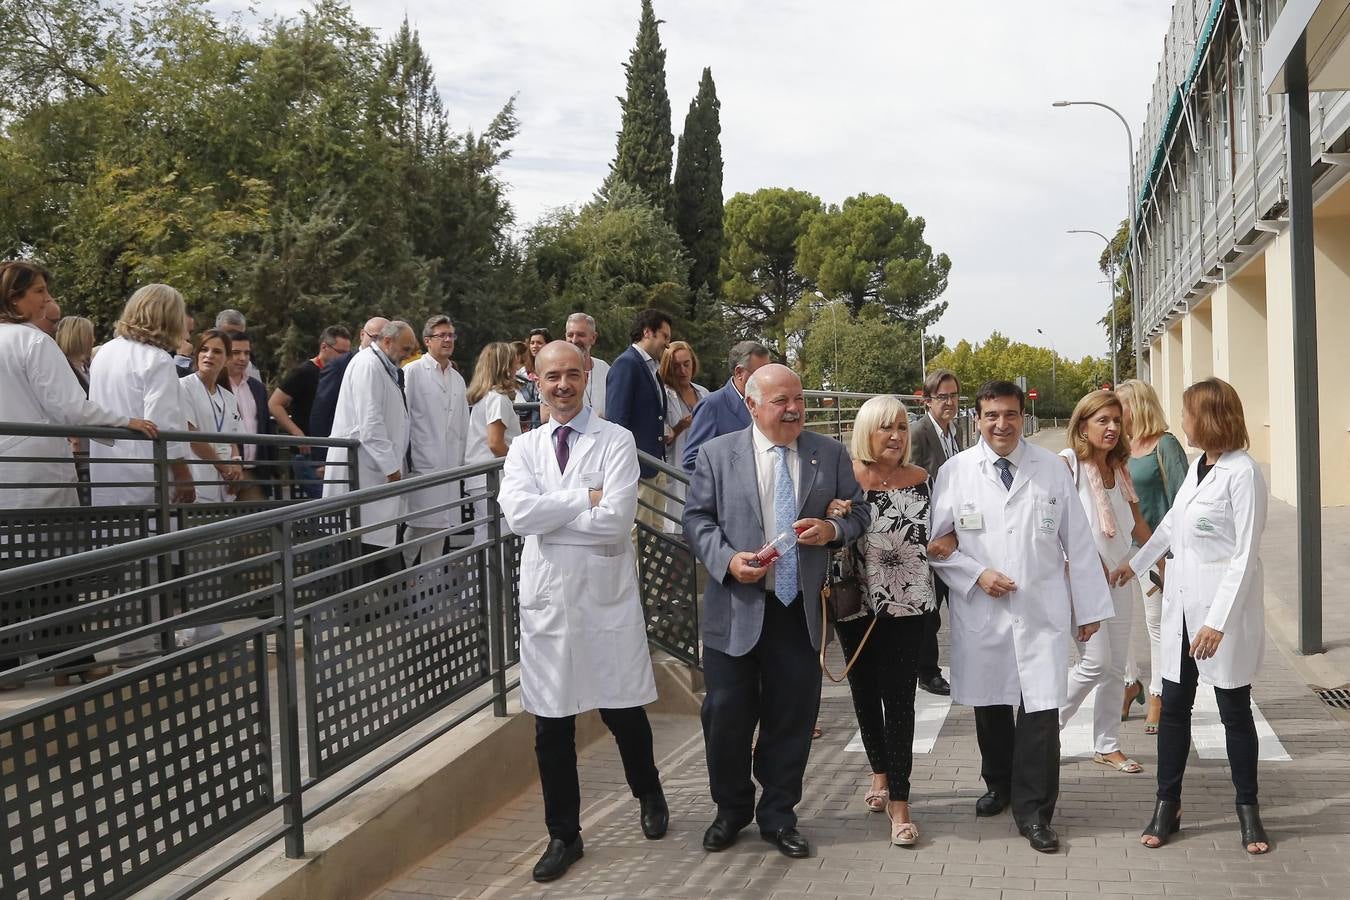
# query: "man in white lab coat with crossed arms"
{"points": [[1013, 510]]}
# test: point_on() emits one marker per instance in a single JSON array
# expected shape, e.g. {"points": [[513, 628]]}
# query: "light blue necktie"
{"points": [[1004, 471], [784, 514]]}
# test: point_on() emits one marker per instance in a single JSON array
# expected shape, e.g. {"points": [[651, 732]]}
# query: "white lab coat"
{"points": [[438, 419], [1214, 530], [40, 389], [202, 411], [594, 396], [583, 636], [1015, 649], [371, 410], [139, 381]]}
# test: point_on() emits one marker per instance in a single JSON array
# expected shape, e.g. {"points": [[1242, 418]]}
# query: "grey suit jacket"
{"points": [[925, 447], [722, 517]]}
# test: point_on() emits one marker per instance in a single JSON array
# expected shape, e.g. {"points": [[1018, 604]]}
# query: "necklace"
{"points": [[886, 482]]}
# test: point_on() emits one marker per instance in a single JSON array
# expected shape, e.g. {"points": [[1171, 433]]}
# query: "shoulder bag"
{"points": [[841, 599]]}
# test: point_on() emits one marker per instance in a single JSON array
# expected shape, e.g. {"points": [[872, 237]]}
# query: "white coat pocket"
{"points": [[536, 574], [1048, 514]]}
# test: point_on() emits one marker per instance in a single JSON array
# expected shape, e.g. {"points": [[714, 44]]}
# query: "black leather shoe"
{"points": [[1042, 838], [655, 814], [991, 804], [557, 859], [936, 685], [720, 835], [789, 842]]}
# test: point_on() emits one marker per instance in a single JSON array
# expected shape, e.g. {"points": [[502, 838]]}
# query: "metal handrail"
{"points": [[103, 432]]}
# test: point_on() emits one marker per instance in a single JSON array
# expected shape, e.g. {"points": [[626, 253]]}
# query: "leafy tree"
{"points": [[760, 278], [1114, 257], [865, 353], [698, 190], [870, 250], [1060, 382], [643, 157]]}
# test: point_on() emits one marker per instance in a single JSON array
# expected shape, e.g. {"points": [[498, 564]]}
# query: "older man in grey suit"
{"points": [[761, 625]]}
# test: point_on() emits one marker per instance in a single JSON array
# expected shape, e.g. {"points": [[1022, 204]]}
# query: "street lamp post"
{"points": [[1136, 303], [1111, 286]]}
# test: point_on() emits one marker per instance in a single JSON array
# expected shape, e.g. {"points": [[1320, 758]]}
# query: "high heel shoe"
{"points": [[1253, 832], [1134, 693], [93, 673], [1165, 823]]}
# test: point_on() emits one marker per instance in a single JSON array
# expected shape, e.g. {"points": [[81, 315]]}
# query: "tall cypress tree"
{"points": [[698, 187], [645, 142]]}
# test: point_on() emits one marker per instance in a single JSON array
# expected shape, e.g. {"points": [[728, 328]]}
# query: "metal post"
{"points": [[1115, 356], [163, 513], [498, 600], [1307, 427], [283, 605]]}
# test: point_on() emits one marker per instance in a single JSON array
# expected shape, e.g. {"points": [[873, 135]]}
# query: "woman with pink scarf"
{"points": [[1098, 456]]}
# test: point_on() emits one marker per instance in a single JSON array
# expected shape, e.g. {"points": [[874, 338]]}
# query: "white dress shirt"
{"points": [[1015, 457], [595, 386], [766, 475], [948, 437], [248, 415]]}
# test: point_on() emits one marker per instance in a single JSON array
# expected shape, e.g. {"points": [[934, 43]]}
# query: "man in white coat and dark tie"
{"points": [[1013, 511], [372, 410], [570, 488], [438, 418]]}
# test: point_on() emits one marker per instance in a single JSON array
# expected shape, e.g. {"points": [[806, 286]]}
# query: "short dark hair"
{"points": [[541, 332], [237, 336], [648, 320], [16, 277], [933, 383], [333, 333], [992, 390]]}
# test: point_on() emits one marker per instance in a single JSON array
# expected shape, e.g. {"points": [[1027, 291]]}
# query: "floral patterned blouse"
{"points": [[891, 557]]}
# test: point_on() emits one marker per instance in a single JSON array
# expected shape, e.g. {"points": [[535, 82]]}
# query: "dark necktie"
{"points": [[1004, 472], [560, 448]]}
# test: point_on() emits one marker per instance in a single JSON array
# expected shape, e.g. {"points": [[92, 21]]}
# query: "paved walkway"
{"points": [[1306, 804]]}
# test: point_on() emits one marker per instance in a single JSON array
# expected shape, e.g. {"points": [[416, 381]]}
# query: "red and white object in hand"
{"points": [[774, 548]]}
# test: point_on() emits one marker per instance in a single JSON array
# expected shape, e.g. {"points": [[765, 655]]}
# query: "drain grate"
{"points": [[1336, 698]]}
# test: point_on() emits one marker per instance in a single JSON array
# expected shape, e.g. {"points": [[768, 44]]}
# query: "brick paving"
{"points": [[1305, 802]]}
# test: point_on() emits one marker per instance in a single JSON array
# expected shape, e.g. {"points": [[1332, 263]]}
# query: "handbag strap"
{"points": [[848, 667], [1162, 469]]}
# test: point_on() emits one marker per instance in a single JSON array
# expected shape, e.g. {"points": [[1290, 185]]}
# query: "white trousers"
{"points": [[1153, 624], [1101, 664]]}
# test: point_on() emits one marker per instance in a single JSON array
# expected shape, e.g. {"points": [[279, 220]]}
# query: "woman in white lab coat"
{"points": [[134, 375], [1098, 455], [210, 408], [39, 387], [493, 422], [1213, 627]]}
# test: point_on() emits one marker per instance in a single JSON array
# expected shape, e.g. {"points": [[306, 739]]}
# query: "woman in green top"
{"points": [[1157, 466]]}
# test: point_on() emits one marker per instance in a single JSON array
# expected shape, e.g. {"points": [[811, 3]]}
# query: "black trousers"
{"points": [[1174, 731], [777, 687], [932, 621], [555, 748], [882, 684], [1020, 759]]}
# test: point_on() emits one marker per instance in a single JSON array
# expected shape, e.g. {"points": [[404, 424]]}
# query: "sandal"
{"points": [[1253, 832], [876, 799], [904, 834], [1134, 693], [1166, 822], [816, 733], [1153, 715], [1126, 765]]}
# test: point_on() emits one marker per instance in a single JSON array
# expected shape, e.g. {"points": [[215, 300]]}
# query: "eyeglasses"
{"points": [[944, 398], [446, 336]]}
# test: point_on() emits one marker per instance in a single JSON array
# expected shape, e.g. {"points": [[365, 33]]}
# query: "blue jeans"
{"points": [[307, 477]]}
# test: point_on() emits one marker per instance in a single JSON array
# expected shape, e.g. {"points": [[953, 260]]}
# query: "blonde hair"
{"points": [[1217, 421], [1086, 408], [667, 368], [884, 409], [156, 315], [1146, 412], [75, 337], [494, 371]]}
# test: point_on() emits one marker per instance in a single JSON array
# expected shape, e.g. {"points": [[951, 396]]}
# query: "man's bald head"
{"points": [[372, 330], [570, 353], [767, 377], [49, 318], [776, 402], [561, 368]]}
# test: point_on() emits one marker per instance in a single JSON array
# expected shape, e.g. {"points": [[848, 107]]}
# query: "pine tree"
{"points": [[698, 188], [643, 158]]}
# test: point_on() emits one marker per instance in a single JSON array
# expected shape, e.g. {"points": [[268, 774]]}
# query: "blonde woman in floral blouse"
{"points": [[891, 562]]}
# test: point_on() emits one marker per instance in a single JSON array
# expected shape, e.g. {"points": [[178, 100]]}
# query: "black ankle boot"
{"points": [[1253, 832], [1165, 823]]}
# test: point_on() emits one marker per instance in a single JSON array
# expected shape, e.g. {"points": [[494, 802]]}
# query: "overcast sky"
{"points": [[943, 106]]}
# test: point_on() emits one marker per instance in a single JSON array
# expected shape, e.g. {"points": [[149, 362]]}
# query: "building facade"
{"points": [[1212, 254]]}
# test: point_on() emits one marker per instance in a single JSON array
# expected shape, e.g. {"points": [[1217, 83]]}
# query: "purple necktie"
{"points": [[560, 448]]}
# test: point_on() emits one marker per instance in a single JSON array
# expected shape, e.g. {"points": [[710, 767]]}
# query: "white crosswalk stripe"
{"points": [[930, 711]]}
